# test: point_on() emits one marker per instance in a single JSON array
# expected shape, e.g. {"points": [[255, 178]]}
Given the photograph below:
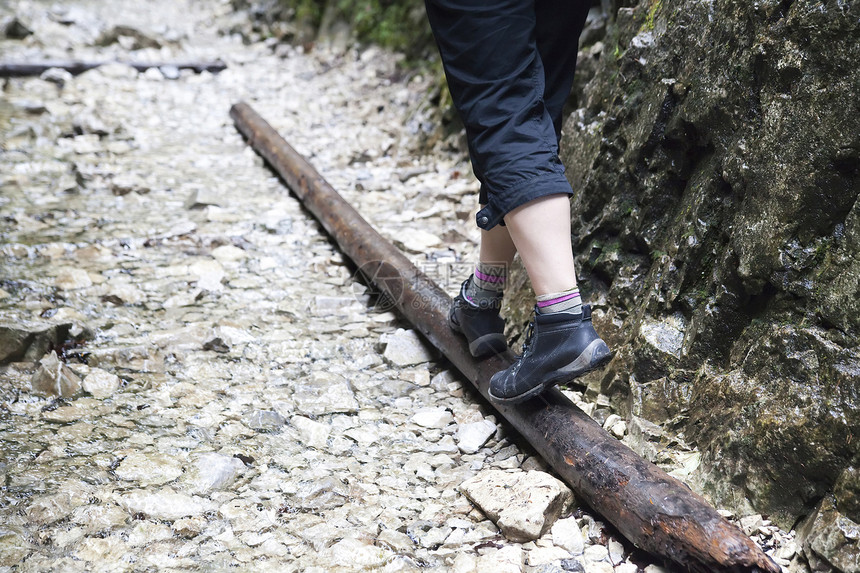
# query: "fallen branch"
{"points": [[652, 509], [11, 69]]}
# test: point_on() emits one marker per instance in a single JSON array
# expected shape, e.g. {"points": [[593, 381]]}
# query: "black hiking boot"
{"points": [[559, 347], [482, 326]]}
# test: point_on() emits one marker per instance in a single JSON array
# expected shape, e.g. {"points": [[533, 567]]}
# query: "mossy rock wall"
{"points": [[715, 153]]}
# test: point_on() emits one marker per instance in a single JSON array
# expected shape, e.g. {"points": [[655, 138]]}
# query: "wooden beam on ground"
{"points": [[22, 69], [653, 510]]}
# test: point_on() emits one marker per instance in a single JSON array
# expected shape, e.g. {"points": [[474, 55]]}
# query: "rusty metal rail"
{"points": [[652, 509]]}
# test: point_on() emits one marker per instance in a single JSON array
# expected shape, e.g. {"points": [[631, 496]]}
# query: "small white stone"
{"points": [[596, 553], [72, 279], [312, 433], [567, 534], [433, 417], [101, 383], [751, 524], [542, 555], [405, 348], [471, 437], [209, 273], [149, 468]]}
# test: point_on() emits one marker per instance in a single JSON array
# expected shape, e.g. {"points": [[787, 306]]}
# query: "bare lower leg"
{"points": [[497, 248], [540, 230]]}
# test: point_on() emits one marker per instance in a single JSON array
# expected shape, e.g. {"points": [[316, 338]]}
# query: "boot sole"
{"points": [[595, 356]]}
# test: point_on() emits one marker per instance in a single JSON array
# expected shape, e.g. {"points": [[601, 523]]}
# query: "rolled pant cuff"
{"points": [[500, 204]]}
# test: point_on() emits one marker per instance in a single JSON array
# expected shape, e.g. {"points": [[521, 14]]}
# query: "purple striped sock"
{"points": [[565, 301]]}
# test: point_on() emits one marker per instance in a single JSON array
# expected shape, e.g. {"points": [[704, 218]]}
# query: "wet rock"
{"points": [[405, 348], [470, 437], [508, 559], [189, 526], [101, 383], [212, 472], [523, 504], [164, 504], [53, 378], [13, 546], [828, 536], [149, 468], [99, 517], [324, 393], [51, 508], [122, 184], [325, 493], [355, 554], [544, 555], [312, 433], [264, 420]]}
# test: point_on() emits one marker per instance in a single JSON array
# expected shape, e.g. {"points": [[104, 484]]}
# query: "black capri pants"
{"points": [[510, 65]]}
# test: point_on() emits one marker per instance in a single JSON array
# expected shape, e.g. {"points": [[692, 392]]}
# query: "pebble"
{"points": [[100, 383], [164, 504], [433, 417], [212, 472], [405, 348], [53, 378], [149, 468], [313, 434], [471, 437], [567, 534]]}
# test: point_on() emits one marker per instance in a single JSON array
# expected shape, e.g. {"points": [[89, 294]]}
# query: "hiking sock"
{"points": [[487, 284], [565, 301]]}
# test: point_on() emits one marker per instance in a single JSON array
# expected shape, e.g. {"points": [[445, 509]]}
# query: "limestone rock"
{"points": [[312, 433], [470, 437], [264, 420], [567, 534], [28, 342], [830, 536], [149, 468], [523, 504], [53, 378], [212, 472], [405, 348], [73, 279], [101, 383], [164, 504], [433, 417], [324, 393]]}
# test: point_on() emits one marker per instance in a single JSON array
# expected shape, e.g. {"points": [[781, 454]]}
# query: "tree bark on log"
{"points": [[655, 511], [13, 69]]}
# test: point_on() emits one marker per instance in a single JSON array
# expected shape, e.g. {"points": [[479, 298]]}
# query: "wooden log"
{"points": [[653, 510], [13, 69]]}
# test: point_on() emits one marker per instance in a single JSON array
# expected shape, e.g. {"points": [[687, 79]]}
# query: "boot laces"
{"points": [[530, 331]]}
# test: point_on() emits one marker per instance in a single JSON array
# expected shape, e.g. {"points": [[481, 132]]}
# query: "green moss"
{"points": [[652, 14]]}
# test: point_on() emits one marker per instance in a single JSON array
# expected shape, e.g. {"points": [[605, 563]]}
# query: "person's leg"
{"points": [[559, 24], [540, 229]]}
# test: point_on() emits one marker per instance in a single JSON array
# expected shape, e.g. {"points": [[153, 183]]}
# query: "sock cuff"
{"points": [[552, 298], [490, 278]]}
